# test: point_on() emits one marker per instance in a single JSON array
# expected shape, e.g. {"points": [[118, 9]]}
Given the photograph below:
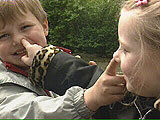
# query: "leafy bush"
{"points": [[83, 25]]}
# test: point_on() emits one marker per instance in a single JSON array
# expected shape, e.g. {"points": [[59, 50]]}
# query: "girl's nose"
{"points": [[116, 56]]}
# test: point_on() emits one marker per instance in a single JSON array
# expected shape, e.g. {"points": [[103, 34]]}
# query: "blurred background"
{"points": [[87, 27]]}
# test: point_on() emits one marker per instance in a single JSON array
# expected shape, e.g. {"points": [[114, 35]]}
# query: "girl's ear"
{"points": [[45, 27]]}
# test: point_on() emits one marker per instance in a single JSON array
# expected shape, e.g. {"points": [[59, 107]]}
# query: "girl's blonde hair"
{"points": [[11, 10], [147, 22]]}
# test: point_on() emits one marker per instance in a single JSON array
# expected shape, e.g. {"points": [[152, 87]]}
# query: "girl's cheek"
{"points": [[126, 69], [131, 76]]}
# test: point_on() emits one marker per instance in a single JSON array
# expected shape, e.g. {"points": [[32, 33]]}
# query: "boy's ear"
{"points": [[45, 27]]}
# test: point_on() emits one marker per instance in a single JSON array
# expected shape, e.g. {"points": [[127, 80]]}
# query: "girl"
{"points": [[138, 53], [139, 50]]}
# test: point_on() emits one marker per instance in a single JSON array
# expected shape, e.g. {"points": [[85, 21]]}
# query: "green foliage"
{"points": [[83, 25]]}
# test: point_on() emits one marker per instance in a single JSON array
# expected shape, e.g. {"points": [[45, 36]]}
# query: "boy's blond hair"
{"points": [[11, 10]]}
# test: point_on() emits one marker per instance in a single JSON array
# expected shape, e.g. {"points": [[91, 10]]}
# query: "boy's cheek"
{"points": [[37, 38], [3, 55]]}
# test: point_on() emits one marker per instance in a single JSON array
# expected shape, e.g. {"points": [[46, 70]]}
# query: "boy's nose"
{"points": [[116, 56]]}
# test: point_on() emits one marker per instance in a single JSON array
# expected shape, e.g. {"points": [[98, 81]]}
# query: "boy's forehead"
{"points": [[10, 20], [9, 12]]}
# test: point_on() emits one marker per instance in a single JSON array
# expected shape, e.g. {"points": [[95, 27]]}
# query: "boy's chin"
{"points": [[22, 65]]}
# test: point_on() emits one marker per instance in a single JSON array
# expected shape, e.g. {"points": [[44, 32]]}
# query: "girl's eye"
{"points": [[4, 36], [124, 51], [25, 27]]}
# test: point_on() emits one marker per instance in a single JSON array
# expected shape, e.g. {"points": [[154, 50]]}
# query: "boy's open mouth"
{"points": [[22, 52]]}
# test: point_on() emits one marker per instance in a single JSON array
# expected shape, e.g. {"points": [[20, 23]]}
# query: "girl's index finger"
{"points": [[25, 43], [112, 67]]}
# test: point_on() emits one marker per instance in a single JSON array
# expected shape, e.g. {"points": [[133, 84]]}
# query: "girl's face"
{"points": [[26, 27], [141, 79]]}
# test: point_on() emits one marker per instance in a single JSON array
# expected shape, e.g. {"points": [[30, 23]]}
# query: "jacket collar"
{"points": [[15, 68], [18, 70]]}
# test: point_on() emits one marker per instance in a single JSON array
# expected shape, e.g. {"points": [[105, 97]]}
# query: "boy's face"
{"points": [[26, 27]]}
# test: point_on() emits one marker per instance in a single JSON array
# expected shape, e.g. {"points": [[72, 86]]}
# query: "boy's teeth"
{"points": [[20, 52]]}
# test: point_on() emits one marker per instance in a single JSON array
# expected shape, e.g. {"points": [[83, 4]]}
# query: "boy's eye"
{"points": [[4, 36], [25, 27]]}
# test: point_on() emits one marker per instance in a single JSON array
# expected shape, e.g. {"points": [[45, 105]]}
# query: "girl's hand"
{"points": [[108, 89], [31, 52], [92, 63]]}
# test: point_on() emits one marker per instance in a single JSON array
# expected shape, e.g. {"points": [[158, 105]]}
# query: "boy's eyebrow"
{"points": [[23, 23]]}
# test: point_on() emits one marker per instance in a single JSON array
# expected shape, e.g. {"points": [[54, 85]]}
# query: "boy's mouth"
{"points": [[21, 53]]}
